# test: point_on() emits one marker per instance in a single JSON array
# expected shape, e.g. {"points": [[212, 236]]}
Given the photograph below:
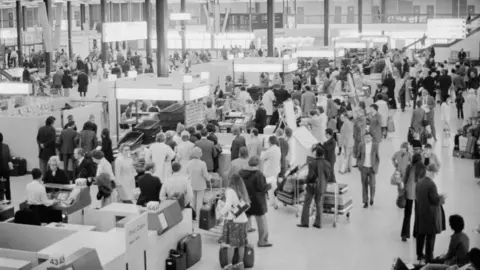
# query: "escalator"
{"points": [[473, 26]]}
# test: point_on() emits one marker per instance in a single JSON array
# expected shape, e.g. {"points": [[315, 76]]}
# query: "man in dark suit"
{"points": [[329, 146], [46, 138], [237, 143], [209, 152], [429, 84], [332, 109], [260, 118], [84, 167], [389, 83], [67, 146], [417, 118], [368, 160], [428, 213], [319, 174], [445, 81], [149, 186], [5, 167], [82, 80]]}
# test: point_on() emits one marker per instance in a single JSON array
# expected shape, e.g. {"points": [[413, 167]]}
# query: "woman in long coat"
{"points": [[125, 174], [161, 155], [375, 121]]}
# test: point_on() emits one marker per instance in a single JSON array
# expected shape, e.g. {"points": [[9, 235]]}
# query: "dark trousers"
{"points": [[5, 188], [67, 158], [427, 241], [460, 112], [407, 217], [318, 199], [368, 183]]}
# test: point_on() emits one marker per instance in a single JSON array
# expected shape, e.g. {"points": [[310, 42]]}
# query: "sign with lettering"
{"points": [[136, 237], [447, 28], [406, 19], [56, 261]]}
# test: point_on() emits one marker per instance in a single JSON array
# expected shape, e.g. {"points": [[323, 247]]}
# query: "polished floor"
{"points": [[371, 238]]}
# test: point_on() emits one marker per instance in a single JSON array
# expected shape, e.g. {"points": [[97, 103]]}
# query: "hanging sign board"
{"points": [[123, 31], [446, 28]]}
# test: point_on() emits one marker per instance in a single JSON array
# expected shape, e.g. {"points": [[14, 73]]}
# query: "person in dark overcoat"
{"points": [[82, 81], [46, 139]]}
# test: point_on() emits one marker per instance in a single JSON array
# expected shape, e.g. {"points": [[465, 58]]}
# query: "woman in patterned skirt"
{"points": [[235, 227]]}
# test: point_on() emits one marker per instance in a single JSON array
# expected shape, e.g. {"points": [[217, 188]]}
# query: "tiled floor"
{"points": [[371, 239]]}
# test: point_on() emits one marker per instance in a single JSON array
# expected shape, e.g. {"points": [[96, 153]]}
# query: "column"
{"points": [[48, 56], [326, 21], [270, 27], [148, 18], [360, 16], [183, 9], [384, 11], [18, 10], [103, 14], [162, 24], [82, 15], [24, 16], [69, 28]]}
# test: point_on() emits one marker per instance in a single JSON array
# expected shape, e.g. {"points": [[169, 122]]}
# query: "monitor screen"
{"points": [[63, 195]]}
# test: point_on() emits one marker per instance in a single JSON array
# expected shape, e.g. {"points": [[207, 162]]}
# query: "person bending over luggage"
{"points": [[177, 186], [149, 186], [457, 253], [235, 227], [38, 200]]}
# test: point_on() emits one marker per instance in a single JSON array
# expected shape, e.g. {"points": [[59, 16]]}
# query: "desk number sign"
{"points": [[56, 261]]}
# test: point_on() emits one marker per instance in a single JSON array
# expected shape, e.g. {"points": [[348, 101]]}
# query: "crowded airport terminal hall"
{"points": [[239, 134]]}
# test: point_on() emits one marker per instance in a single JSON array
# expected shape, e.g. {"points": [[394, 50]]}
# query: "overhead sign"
{"points": [[136, 237], [123, 31], [447, 28]]}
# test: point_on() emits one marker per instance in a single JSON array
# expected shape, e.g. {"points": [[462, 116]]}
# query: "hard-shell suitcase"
{"points": [[192, 246], [208, 218], [19, 166], [248, 259], [177, 260], [476, 166]]}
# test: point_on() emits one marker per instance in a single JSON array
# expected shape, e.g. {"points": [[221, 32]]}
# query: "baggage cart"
{"points": [[212, 195], [297, 176], [343, 208]]}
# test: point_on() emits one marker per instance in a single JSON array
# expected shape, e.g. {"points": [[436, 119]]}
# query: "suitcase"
{"points": [[177, 260], [191, 245], [471, 142], [208, 217], [248, 259], [342, 188], [476, 166], [6, 212], [19, 166], [343, 199], [27, 217]]}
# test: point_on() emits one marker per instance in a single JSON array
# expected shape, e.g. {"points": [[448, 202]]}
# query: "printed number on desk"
{"points": [[56, 261]]}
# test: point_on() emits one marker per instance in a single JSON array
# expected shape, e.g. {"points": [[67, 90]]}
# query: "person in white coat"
{"points": [[125, 175], [383, 111], [271, 159], [445, 116], [184, 150], [161, 155]]}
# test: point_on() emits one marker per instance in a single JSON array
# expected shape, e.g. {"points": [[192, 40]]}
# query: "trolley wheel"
{"points": [[285, 205], [297, 215], [348, 215], [334, 224], [275, 207]]}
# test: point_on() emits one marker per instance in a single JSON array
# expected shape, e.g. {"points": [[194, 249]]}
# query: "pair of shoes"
{"points": [[404, 239], [228, 267], [371, 202], [302, 226], [264, 245], [355, 166], [365, 205], [317, 226], [251, 230], [239, 266]]}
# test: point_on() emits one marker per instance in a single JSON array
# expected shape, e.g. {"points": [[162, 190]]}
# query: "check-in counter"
{"points": [[82, 259], [23, 242], [12, 264], [72, 199]]}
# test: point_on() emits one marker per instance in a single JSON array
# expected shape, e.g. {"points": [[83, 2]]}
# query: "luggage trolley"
{"points": [[336, 201], [207, 220], [290, 195]]}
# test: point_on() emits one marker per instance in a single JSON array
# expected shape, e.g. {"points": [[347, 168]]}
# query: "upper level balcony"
{"points": [[372, 18]]}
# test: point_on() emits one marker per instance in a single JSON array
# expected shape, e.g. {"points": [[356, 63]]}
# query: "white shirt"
{"points": [[242, 97], [368, 155], [267, 101], [271, 161], [177, 184], [37, 194], [105, 167], [231, 199]]}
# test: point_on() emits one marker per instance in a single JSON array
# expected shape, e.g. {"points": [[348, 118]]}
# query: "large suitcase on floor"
{"points": [[476, 166], [177, 260], [248, 259], [192, 246], [19, 166], [208, 217]]}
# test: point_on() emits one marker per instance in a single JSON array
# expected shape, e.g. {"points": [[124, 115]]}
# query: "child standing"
{"points": [[459, 100]]}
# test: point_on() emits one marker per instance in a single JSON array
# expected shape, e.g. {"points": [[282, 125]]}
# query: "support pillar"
{"points": [[384, 11], [18, 10], [69, 28], [270, 27], [183, 9], [148, 18], [360, 16], [103, 15], [48, 56], [326, 21], [24, 15], [162, 24], [82, 16]]}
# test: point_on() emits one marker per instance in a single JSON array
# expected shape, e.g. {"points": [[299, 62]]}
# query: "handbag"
{"points": [[396, 178], [401, 201]]}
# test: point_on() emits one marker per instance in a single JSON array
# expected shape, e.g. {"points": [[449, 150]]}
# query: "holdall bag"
{"points": [[19, 166], [177, 260], [248, 257], [476, 166], [192, 246]]}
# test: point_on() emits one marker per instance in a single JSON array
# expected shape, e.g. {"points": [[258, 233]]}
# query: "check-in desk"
{"points": [[72, 200], [23, 242], [12, 264], [82, 259]]}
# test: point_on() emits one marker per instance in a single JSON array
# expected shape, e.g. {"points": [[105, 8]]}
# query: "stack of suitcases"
{"points": [[466, 147], [344, 204]]}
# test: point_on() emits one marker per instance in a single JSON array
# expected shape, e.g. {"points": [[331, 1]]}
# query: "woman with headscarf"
{"points": [[199, 176]]}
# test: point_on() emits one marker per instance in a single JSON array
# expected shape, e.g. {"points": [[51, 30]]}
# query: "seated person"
{"points": [[54, 175], [38, 200], [106, 190], [177, 186], [457, 253], [149, 186]]}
